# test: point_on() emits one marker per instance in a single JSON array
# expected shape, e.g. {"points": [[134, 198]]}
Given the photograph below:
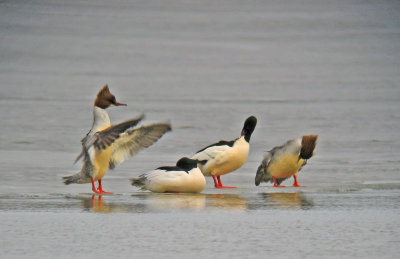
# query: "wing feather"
{"points": [[212, 153], [108, 136], [132, 141], [104, 138]]}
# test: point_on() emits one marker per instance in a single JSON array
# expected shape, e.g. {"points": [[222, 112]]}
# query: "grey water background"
{"points": [[302, 67]]}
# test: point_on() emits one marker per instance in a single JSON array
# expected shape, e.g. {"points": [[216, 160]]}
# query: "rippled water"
{"points": [[309, 67]]}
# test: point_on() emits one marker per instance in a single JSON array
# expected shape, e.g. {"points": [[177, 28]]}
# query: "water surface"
{"points": [[309, 67]]}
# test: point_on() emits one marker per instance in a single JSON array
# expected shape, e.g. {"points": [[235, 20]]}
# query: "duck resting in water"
{"points": [[285, 161], [107, 145], [184, 177]]}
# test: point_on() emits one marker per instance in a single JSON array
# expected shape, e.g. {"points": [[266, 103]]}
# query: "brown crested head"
{"points": [[307, 146], [106, 99]]}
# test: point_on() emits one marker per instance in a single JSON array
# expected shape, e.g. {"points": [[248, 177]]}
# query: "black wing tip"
{"points": [[229, 143]]}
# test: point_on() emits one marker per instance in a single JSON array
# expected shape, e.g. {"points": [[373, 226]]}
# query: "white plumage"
{"points": [[184, 177], [226, 156]]}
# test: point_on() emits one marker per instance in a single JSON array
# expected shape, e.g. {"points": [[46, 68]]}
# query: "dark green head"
{"points": [[186, 164], [248, 128]]}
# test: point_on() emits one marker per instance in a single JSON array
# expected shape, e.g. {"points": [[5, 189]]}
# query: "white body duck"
{"points": [[107, 145], [285, 161], [226, 156], [184, 177]]}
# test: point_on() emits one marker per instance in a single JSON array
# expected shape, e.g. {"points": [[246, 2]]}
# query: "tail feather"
{"points": [[139, 181], [75, 178], [307, 146], [262, 174]]}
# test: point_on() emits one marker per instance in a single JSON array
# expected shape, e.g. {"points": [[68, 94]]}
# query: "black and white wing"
{"points": [[214, 152]]}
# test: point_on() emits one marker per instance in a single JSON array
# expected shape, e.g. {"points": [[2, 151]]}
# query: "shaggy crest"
{"points": [[104, 98]]}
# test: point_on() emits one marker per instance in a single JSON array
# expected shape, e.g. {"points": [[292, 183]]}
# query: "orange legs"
{"points": [[296, 184], [100, 189], [218, 183], [275, 184]]}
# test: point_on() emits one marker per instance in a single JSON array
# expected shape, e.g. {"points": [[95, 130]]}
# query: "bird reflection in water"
{"points": [[227, 201], [196, 201], [95, 203], [286, 200], [193, 201], [147, 202]]}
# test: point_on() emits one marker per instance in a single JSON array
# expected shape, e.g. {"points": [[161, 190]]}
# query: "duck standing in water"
{"points": [[184, 177], [226, 156], [107, 145], [285, 161]]}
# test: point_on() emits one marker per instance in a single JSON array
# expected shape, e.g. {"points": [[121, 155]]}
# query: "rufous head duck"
{"points": [[106, 99]]}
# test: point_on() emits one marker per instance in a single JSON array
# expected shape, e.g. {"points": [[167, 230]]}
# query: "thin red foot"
{"points": [[219, 184], [94, 189], [216, 185], [225, 187], [100, 189], [275, 184], [104, 192], [296, 184]]}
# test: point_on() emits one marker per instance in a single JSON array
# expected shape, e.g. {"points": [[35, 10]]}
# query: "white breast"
{"points": [[224, 159], [101, 120]]}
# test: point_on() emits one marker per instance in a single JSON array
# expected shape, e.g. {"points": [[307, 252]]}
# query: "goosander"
{"points": [[226, 156], [285, 161], [107, 145], [184, 177]]}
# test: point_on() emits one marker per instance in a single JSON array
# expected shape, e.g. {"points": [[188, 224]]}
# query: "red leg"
{"points": [[216, 184], [275, 184], [101, 188], [220, 184], [296, 184], [94, 189]]}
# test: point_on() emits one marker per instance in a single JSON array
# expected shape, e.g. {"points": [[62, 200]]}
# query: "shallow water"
{"points": [[309, 67]]}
